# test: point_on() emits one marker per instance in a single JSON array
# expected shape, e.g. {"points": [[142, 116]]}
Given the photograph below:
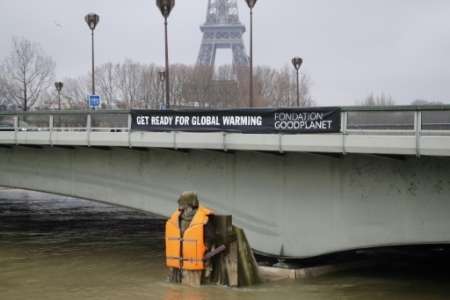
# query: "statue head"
{"points": [[188, 200]]}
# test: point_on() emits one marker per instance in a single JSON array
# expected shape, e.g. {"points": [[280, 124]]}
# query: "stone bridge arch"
{"points": [[308, 204]]}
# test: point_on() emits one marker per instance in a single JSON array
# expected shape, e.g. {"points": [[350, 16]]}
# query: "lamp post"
{"points": [[251, 4], [166, 6], [92, 21], [297, 63], [59, 85], [162, 78]]}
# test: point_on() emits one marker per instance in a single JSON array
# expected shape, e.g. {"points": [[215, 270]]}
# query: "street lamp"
{"points": [[166, 6], [162, 78], [251, 4], [92, 21], [297, 63], [59, 85]]}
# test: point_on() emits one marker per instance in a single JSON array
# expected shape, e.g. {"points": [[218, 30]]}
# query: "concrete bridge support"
{"points": [[308, 204]]}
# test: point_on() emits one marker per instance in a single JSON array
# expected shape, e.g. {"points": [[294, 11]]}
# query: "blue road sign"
{"points": [[94, 101]]}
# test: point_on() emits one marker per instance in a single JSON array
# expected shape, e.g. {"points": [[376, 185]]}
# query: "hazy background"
{"points": [[351, 47]]}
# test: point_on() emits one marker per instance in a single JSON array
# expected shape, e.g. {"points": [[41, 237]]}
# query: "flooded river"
{"points": [[54, 247]]}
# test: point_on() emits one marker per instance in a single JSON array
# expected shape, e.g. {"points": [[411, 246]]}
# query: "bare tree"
{"points": [[283, 96], [377, 100], [225, 88], [107, 83], [74, 94], [179, 76], [27, 72], [197, 88], [129, 76], [423, 102], [4, 105], [243, 81], [134, 85], [306, 99], [149, 87], [264, 81], [225, 72], [49, 101], [278, 88]]}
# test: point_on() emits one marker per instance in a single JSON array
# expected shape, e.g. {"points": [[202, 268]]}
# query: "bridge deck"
{"points": [[393, 131]]}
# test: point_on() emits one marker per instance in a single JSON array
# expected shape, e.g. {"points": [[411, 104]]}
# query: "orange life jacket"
{"points": [[191, 244]]}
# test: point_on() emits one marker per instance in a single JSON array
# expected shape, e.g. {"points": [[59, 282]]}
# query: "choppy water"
{"points": [[59, 248]]}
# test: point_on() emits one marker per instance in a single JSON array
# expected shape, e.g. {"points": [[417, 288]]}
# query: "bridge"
{"points": [[382, 180]]}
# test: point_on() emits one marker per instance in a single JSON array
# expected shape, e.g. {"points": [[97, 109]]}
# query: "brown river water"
{"points": [[53, 247]]}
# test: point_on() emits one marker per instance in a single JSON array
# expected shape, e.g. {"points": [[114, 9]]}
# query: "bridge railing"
{"points": [[394, 130], [406, 120], [78, 121], [399, 120], [7, 122], [436, 120]]}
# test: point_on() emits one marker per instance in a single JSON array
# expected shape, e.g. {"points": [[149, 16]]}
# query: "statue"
{"points": [[189, 236]]}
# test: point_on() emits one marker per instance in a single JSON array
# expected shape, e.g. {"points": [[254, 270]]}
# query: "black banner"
{"points": [[308, 120]]}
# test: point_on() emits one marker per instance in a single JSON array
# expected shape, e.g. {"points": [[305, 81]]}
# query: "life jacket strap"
{"points": [[184, 259], [182, 240]]}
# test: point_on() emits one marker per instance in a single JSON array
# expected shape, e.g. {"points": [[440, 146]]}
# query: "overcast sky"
{"points": [[351, 47]]}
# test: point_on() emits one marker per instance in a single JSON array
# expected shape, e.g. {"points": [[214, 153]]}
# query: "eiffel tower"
{"points": [[222, 30]]}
